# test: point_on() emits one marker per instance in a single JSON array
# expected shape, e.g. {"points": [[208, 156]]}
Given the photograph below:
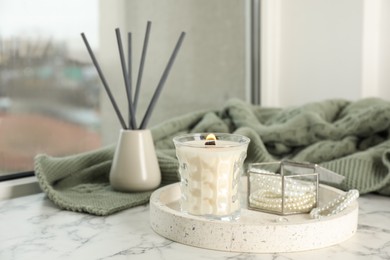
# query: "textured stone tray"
{"points": [[255, 231]]}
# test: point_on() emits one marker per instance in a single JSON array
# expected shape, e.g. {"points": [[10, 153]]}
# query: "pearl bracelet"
{"points": [[269, 201], [283, 195], [335, 206], [274, 184]]}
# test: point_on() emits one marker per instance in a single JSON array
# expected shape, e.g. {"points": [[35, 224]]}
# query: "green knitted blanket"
{"points": [[350, 138]]}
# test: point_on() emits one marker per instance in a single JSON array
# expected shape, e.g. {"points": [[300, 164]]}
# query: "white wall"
{"points": [[384, 49], [324, 49]]}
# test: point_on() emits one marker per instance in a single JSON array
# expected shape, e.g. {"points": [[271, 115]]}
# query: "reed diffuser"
{"points": [[134, 166]]}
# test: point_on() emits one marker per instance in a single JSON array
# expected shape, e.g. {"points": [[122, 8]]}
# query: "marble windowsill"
{"points": [[19, 187], [32, 227]]}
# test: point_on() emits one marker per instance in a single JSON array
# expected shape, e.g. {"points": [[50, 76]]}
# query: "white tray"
{"points": [[254, 232]]}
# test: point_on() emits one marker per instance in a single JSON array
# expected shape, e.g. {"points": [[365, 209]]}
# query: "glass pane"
{"points": [[49, 90], [210, 68]]}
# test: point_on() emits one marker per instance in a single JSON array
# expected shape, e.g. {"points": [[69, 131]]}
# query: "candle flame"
{"points": [[211, 137]]}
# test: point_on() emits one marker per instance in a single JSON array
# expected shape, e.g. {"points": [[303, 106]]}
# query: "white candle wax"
{"points": [[210, 176]]}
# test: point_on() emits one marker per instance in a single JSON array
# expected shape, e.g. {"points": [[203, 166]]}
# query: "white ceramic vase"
{"points": [[135, 167]]}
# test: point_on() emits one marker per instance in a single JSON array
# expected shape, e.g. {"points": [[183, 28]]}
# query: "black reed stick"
{"points": [[102, 78], [132, 122], [141, 65], [129, 58], [161, 83]]}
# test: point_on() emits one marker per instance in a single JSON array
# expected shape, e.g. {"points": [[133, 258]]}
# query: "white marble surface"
{"points": [[32, 227]]}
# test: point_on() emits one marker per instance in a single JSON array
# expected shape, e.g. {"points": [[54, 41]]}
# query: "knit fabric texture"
{"points": [[350, 138]]}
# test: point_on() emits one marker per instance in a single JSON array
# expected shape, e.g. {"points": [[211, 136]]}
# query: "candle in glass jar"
{"points": [[210, 171]]}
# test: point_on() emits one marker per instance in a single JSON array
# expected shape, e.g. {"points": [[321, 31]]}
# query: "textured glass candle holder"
{"points": [[282, 187], [210, 173]]}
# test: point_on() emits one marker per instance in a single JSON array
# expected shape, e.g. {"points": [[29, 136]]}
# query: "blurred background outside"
{"points": [[49, 90]]}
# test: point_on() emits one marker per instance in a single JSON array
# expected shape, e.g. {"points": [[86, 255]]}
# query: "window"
{"points": [[49, 90], [51, 98]]}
